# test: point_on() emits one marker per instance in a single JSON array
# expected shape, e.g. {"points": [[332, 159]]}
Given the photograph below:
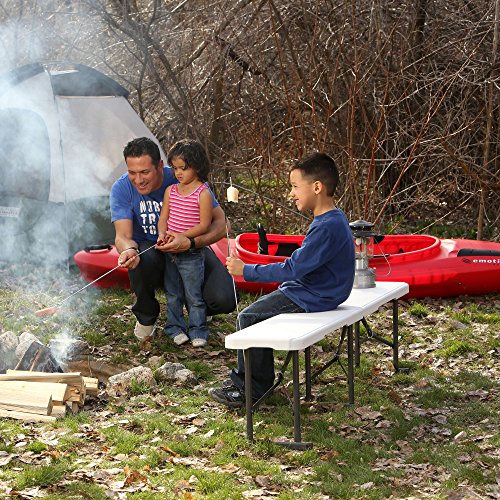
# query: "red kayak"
{"points": [[431, 266]]}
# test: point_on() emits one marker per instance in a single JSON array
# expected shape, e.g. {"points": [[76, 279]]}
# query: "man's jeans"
{"points": [[184, 280], [218, 291], [262, 359]]}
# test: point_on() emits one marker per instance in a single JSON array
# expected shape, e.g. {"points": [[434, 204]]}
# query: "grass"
{"points": [[194, 448], [418, 310], [44, 475]]}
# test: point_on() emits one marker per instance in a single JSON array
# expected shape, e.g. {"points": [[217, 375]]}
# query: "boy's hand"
{"points": [[234, 265]]}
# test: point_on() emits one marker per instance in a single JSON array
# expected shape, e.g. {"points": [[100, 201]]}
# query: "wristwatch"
{"points": [[193, 244]]}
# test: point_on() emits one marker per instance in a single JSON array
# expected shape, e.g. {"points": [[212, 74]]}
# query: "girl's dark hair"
{"points": [[193, 154], [140, 147], [319, 167]]}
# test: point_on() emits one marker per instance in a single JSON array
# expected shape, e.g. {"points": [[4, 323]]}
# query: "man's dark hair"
{"points": [[194, 156], [319, 167], [140, 147]]}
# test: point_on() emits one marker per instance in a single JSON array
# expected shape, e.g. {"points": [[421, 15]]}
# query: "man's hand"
{"points": [[129, 259], [234, 265], [174, 243]]}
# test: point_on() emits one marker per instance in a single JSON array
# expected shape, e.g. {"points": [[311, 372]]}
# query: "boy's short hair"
{"points": [[319, 167], [142, 146], [194, 156]]}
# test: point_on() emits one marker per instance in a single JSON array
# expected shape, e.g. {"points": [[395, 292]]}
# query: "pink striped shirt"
{"points": [[184, 211]]}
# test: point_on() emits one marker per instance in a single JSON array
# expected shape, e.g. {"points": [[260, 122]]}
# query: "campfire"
{"points": [[36, 389]]}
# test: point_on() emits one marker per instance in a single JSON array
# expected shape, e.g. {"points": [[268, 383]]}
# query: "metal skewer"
{"points": [[53, 309]]}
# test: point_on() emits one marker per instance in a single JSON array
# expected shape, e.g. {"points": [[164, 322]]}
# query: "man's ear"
{"points": [[160, 164]]}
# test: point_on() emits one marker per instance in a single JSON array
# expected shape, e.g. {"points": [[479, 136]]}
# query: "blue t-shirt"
{"points": [[319, 275], [143, 210]]}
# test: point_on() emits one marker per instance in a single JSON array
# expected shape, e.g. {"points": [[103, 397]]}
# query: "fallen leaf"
{"points": [[329, 455], [366, 413], [134, 476], [168, 450], [264, 481]]}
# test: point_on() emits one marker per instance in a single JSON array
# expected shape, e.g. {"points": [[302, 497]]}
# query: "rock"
{"points": [[457, 325], [120, 384], [367, 486], [27, 336], [167, 371], [154, 361], [176, 373], [185, 377], [8, 346], [65, 348], [25, 341]]}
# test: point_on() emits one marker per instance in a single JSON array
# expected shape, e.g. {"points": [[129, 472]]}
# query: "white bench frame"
{"points": [[299, 331]]}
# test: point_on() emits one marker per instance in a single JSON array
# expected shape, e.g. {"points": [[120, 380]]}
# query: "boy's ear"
{"points": [[318, 187]]}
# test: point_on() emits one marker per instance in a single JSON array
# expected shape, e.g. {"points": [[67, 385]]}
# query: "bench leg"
{"points": [[248, 394], [395, 334], [371, 335], [297, 443], [335, 359], [357, 345], [395, 337], [350, 364], [307, 360]]}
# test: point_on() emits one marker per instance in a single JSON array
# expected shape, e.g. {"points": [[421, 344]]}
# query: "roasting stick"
{"points": [[54, 309], [232, 196]]}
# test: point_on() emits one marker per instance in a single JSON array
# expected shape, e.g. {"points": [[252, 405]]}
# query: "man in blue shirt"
{"points": [[317, 277], [136, 200]]}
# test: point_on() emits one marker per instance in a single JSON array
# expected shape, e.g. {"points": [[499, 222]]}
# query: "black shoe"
{"points": [[228, 395], [226, 384]]}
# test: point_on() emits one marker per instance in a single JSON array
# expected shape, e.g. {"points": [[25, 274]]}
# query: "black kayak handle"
{"points": [[476, 252], [93, 248]]}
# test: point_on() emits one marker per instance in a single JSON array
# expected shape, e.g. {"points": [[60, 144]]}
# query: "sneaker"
{"points": [[199, 342], [143, 331], [230, 396], [227, 383], [180, 338]]}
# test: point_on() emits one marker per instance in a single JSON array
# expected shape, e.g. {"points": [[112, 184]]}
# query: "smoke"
{"points": [[47, 212], [61, 143]]}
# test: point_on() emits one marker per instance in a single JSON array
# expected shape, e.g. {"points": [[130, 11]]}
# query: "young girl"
{"points": [[186, 209]]}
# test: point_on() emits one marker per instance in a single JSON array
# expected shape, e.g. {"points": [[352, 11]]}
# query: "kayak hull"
{"points": [[432, 267]]}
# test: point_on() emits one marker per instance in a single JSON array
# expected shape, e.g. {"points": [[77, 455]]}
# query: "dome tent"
{"points": [[61, 142]]}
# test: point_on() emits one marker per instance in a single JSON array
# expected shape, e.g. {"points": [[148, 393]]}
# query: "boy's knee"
{"points": [[245, 319]]}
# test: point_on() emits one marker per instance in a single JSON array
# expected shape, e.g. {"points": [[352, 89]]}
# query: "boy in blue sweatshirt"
{"points": [[317, 277]]}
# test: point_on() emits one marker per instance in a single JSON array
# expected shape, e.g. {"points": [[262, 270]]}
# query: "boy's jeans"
{"points": [[184, 281], [262, 359]]}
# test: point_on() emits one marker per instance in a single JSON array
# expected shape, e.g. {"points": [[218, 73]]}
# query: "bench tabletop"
{"points": [[370, 299], [291, 332]]}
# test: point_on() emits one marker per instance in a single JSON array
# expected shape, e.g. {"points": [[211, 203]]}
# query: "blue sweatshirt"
{"points": [[319, 275]]}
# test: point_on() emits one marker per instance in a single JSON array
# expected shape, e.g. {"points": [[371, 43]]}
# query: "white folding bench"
{"points": [[299, 331]]}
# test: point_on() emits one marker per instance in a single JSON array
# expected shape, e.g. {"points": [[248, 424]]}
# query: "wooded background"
{"points": [[403, 94]]}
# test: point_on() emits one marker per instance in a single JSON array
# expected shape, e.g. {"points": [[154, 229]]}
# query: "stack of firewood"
{"points": [[43, 397]]}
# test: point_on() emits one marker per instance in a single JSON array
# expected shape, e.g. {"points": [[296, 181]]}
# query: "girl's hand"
{"points": [[174, 243], [164, 239]]}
